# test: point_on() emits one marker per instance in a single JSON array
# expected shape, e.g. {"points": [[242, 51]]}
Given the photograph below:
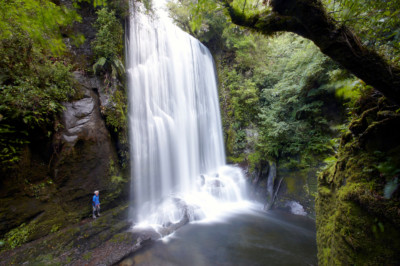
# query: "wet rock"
{"points": [[57, 179], [172, 227], [82, 55], [94, 83], [85, 151], [103, 241]]}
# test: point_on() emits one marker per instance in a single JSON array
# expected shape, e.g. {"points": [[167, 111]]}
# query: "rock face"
{"points": [[85, 146], [82, 55], [357, 224], [299, 185], [276, 186], [259, 181], [56, 180]]}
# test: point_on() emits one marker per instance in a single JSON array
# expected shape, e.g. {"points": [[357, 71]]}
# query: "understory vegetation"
{"points": [[34, 79]]}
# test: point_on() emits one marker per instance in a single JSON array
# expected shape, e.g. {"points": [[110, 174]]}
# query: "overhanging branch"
{"points": [[309, 19]]}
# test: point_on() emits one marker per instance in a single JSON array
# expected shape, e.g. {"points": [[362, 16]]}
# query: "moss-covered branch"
{"points": [[309, 19]]}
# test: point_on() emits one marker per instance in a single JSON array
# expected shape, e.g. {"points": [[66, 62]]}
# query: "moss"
{"points": [[356, 225], [118, 238], [298, 185], [68, 260], [19, 235], [324, 191], [87, 256], [291, 184], [47, 259]]}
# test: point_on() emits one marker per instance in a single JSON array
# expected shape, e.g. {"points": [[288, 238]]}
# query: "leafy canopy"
{"points": [[33, 83], [376, 22], [39, 19]]}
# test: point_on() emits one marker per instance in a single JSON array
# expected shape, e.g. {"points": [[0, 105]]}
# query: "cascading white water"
{"points": [[176, 139]]}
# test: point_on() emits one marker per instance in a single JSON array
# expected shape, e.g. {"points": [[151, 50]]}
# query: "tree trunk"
{"points": [[309, 19]]}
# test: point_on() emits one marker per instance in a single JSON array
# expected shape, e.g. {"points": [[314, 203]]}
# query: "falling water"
{"points": [[176, 139]]}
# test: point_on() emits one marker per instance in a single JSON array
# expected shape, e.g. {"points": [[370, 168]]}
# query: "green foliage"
{"points": [[330, 161], [244, 96], [18, 235], [108, 44], [39, 20], [243, 61], [32, 89], [116, 178], [207, 26], [360, 191], [388, 168], [87, 256], [116, 119], [55, 228], [200, 9], [117, 113], [376, 22], [296, 88], [254, 159], [108, 50]]}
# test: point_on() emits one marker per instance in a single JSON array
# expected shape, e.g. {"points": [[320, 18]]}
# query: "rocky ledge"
{"points": [[102, 241], [106, 240]]}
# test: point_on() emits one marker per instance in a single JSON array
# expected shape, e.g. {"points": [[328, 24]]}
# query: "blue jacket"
{"points": [[96, 200]]}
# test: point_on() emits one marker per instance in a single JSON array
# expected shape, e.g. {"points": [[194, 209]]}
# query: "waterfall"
{"points": [[177, 149]]}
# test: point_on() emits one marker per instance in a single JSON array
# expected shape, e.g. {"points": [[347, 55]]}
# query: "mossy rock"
{"points": [[356, 223], [73, 243], [298, 185]]}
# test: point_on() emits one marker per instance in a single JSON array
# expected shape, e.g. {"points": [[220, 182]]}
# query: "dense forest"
{"points": [[308, 90]]}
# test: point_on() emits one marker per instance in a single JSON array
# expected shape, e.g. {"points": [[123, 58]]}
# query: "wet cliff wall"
{"points": [[52, 184]]}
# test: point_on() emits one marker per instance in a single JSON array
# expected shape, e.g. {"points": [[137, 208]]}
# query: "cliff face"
{"points": [[55, 179], [358, 198]]}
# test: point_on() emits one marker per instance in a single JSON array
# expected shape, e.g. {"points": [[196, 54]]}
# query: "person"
{"points": [[96, 204]]}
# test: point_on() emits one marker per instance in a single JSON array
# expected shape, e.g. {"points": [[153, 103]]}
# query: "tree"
{"points": [[309, 19]]}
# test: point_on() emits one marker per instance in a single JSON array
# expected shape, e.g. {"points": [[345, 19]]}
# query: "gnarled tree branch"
{"points": [[309, 19]]}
